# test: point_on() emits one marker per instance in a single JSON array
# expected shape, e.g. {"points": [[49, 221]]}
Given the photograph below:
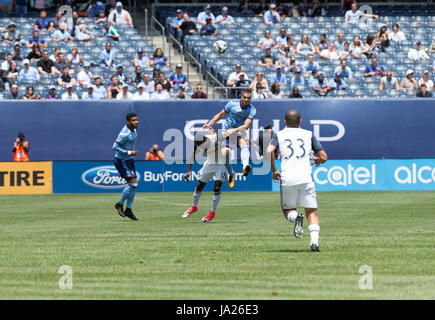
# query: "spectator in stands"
{"points": [[396, 35], [204, 15], [181, 93], [54, 56], [28, 73], [158, 59], [11, 34], [95, 8], [42, 22], [431, 48], [85, 76], [82, 34], [259, 93], [295, 94], [107, 56], [344, 70], [357, 47], [114, 89], [320, 85], [74, 57], [110, 31], [40, 4], [164, 82], [21, 7], [89, 93], [374, 70], [243, 81], [208, 29], [17, 52], [297, 80], [281, 9], [290, 43], [271, 16], [278, 77], [423, 93], [98, 89], [389, 82], [30, 94], [13, 93], [120, 74], [156, 74], [69, 94], [310, 64], [298, 10], [234, 76], [110, 6], [267, 41], [5, 82], [305, 47], [285, 57], [267, 59], [354, 15], [176, 23], [316, 9], [187, 27], [159, 93], [275, 92], [322, 45], [52, 95], [61, 63], [409, 83], [339, 44], [177, 78], [370, 45], [330, 53], [141, 94], [124, 94], [101, 18], [66, 79], [35, 39], [13, 71], [382, 38], [338, 83], [417, 53], [424, 80], [259, 78], [45, 65], [55, 23], [346, 5], [7, 63], [225, 19], [292, 66], [261, 9], [154, 154], [281, 39], [120, 17], [346, 52], [199, 94], [137, 76], [62, 34], [246, 8], [20, 151]]}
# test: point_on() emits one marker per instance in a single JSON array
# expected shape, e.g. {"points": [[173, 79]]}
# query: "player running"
{"points": [[124, 162], [239, 117], [213, 167], [295, 147]]}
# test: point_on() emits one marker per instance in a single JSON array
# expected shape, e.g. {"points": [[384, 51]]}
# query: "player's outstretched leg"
{"points": [[245, 155], [119, 206], [215, 201], [226, 152], [196, 195], [313, 227], [130, 199]]}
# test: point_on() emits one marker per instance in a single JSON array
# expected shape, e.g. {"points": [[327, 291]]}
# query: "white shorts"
{"points": [[216, 171], [304, 193], [234, 138]]}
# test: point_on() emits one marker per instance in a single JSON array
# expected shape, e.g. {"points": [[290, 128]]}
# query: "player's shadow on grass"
{"points": [[287, 251], [220, 222]]}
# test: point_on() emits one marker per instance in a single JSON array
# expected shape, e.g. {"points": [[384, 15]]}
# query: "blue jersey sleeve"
{"points": [[252, 113], [119, 143], [228, 107]]}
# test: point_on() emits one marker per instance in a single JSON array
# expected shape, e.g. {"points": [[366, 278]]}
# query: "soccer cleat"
{"points": [[189, 211], [120, 210], [208, 217], [315, 248], [299, 230], [246, 170], [232, 180], [129, 213]]}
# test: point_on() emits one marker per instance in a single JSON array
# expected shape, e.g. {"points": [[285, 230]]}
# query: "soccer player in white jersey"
{"points": [[239, 117], [214, 167], [296, 146]]}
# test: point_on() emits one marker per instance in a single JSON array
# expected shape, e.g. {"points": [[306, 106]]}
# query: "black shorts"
{"points": [[126, 168]]}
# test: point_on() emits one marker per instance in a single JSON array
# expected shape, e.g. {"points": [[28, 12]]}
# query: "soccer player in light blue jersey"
{"points": [[124, 148], [239, 116]]}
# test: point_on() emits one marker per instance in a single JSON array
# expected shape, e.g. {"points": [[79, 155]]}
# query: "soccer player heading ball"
{"points": [[295, 146], [239, 117], [124, 147], [214, 167]]}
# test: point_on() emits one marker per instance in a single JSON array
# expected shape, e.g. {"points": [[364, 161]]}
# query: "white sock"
{"points": [[244, 155], [196, 196], [314, 233], [292, 215]]}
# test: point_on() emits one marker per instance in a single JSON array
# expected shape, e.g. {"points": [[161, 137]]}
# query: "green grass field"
{"points": [[247, 252]]}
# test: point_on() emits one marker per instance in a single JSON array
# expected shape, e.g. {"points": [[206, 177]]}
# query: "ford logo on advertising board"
{"points": [[106, 177]]}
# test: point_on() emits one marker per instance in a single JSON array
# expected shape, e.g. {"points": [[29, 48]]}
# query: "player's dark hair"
{"points": [[130, 115], [292, 118], [247, 90]]}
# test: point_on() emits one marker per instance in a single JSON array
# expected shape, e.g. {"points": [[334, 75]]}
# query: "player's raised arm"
{"points": [[215, 119]]}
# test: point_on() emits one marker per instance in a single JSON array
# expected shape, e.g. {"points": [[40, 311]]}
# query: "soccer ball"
{"points": [[220, 47]]}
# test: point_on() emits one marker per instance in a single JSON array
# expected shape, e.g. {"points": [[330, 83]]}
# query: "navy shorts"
{"points": [[126, 168]]}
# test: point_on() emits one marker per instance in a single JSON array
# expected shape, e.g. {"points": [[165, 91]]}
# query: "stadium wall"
{"points": [[347, 129]]}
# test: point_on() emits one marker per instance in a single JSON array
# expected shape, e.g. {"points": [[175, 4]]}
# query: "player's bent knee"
{"points": [[133, 185]]}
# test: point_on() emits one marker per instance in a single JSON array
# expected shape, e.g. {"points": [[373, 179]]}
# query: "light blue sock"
{"points": [[130, 198], [125, 194]]}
